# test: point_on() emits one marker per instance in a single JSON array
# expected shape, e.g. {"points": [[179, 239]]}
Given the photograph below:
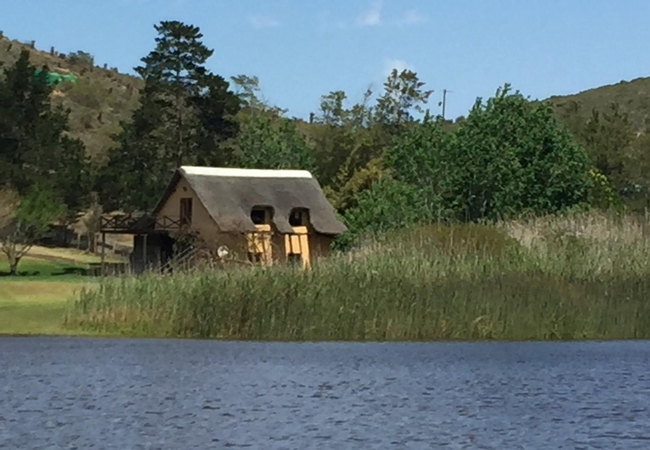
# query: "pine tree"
{"points": [[185, 114], [34, 146]]}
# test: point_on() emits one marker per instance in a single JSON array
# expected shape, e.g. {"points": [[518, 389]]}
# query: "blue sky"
{"points": [[302, 49]]}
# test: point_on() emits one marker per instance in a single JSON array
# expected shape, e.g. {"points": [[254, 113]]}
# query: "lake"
{"points": [[181, 394]]}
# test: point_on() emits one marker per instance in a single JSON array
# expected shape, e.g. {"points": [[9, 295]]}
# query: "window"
{"points": [[261, 215], [298, 217], [186, 211]]}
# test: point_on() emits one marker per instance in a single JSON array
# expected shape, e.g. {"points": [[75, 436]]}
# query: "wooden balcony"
{"points": [[138, 224]]}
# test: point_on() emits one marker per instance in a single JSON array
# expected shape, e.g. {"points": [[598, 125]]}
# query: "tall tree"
{"points": [[403, 94], [29, 128], [335, 137], [374, 130], [185, 114], [176, 67], [135, 170], [253, 100], [34, 145]]}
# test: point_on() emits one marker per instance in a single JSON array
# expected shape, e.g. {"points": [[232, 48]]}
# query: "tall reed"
{"points": [[581, 277]]}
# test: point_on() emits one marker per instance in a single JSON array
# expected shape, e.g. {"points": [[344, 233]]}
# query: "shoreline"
{"points": [[316, 342]]}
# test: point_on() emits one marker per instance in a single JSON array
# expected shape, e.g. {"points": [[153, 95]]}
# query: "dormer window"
{"points": [[298, 217], [261, 215]]}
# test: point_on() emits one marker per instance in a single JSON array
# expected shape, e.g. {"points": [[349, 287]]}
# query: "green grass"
{"points": [[584, 277], [35, 307], [35, 302]]}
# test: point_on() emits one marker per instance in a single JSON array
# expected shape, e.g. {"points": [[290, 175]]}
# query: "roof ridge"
{"points": [[246, 173]]}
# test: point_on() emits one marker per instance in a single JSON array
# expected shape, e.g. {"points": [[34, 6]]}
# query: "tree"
{"points": [[264, 143], [82, 58], [609, 139], [388, 204], [509, 157], [29, 127], [216, 111], [403, 93], [247, 88], [72, 178], [332, 109], [185, 115], [637, 191], [26, 222], [34, 145], [349, 150], [420, 156], [334, 135], [133, 176], [411, 187], [183, 88], [348, 146], [91, 222]]}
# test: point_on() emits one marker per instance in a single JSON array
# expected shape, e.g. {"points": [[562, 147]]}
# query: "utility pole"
{"points": [[444, 102]]}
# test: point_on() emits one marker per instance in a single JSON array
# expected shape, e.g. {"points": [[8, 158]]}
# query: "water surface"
{"points": [[174, 394]]}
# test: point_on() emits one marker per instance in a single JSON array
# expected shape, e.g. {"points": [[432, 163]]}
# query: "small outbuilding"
{"points": [[261, 216]]}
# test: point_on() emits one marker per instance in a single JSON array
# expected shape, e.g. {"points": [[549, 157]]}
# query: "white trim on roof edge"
{"points": [[246, 173]]}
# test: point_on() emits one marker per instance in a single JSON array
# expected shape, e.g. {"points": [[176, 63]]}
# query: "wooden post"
{"points": [[103, 251]]}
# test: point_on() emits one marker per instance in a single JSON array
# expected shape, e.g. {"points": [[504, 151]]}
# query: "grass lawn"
{"points": [[35, 301], [35, 307]]}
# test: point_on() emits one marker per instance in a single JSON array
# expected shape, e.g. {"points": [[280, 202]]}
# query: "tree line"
{"points": [[384, 162]]}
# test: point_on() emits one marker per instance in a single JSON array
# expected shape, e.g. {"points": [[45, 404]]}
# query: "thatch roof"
{"points": [[229, 195]]}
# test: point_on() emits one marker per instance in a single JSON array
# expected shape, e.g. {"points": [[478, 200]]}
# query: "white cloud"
{"points": [[412, 17], [398, 64], [260, 21], [371, 17]]}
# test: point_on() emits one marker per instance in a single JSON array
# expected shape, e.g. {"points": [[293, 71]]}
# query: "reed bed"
{"points": [[563, 278]]}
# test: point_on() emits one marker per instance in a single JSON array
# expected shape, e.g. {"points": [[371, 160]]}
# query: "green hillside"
{"points": [[633, 98], [100, 99]]}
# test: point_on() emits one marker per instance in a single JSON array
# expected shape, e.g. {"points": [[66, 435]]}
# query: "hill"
{"points": [[100, 99], [633, 98]]}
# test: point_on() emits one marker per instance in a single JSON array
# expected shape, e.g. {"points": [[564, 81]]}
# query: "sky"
{"points": [[303, 49]]}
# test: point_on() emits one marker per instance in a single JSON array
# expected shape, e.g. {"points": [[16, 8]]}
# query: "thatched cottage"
{"points": [[262, 216]]}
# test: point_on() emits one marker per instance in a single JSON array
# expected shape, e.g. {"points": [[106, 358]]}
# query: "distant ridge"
{"points": [[101, 98], [633, 98]]}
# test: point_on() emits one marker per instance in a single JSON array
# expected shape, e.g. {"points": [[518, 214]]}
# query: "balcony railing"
{"points": [[138, 223]]}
